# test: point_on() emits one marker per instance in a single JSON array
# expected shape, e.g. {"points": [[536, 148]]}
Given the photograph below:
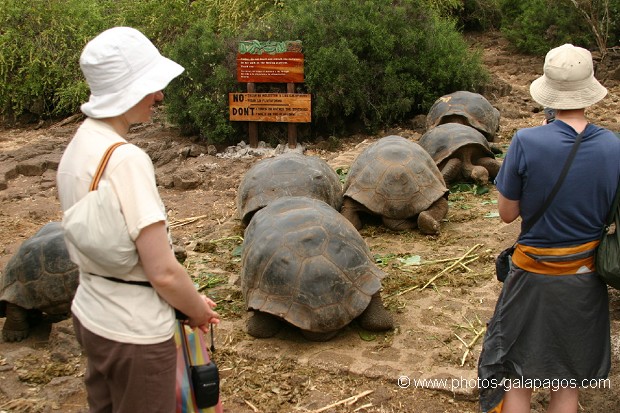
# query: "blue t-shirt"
{"points": [[532, 166]]}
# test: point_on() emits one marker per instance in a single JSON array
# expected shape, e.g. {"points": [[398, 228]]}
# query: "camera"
{"points": [[549, 115]]}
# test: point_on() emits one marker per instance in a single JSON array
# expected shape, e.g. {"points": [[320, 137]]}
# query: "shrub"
{"points": [[481, 15], [197, 100], [536, 26], [368, 63], [375, 62], [40, 42], [470, 15]]}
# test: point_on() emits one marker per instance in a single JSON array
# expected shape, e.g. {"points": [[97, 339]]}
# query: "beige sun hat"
{"points": [[568, 81], [121, 67]]}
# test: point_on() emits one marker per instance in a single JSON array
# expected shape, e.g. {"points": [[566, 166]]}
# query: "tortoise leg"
{"points": [[350, 210], [429, 220], [375, 317], [476, 173], [263, 325], [398, 224], [490, 164], [495, 148], [451, 170], [312, 336], [16, 326]]}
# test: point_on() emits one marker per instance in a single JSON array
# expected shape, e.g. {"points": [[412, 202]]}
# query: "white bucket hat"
{"points": [[121, 67], [568, 81]]}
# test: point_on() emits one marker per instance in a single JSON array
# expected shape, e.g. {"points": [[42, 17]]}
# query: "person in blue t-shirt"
{"points": [[551, 323]]}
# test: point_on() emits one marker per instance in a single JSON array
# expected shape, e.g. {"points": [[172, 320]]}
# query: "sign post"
{"points": [[270, 62]]}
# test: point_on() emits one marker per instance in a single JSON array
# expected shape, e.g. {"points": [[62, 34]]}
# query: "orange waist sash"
{"points": [[576, 259]]}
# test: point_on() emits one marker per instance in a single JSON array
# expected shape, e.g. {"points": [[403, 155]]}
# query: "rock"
{"points": [[186, 179], [62, 342]]}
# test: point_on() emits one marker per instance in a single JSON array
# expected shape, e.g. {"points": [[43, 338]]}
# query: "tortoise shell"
{"points": [[40, 275], [444, 140], [289, 174], [395, 178], [304, 262], [465, 107]]}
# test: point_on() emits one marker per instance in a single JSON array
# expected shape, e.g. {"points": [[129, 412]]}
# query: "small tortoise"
{"points": [[304, 263], [461, 153], [397, 180], [39, 278], [289, 174], [468, 108]]}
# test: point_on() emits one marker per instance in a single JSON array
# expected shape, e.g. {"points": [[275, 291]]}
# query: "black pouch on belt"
{"points": [[503, 263]]}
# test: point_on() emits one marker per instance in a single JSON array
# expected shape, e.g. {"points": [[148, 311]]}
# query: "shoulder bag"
{"points": [[96, 227], [198, 380], [503, 262], [608, 250]]}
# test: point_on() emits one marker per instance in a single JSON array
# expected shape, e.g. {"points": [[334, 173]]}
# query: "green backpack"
{"points": [[608, 251]]}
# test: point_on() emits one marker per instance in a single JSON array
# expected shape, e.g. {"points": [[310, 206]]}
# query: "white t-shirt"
{"points": [[117, 311]]}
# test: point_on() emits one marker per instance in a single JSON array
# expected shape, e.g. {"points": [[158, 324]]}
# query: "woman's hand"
{"points": [[210, 316]]}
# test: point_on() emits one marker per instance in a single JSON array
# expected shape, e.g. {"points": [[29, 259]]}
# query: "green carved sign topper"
{"points": [[269, 47]]}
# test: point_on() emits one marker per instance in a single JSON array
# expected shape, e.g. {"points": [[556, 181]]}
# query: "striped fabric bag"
{"points": [[199, 355]]}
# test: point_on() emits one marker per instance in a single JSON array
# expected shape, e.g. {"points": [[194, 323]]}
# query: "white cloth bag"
{"points": [[96, 228]]}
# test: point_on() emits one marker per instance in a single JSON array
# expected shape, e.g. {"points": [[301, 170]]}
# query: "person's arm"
{"points": [[170, 279], [508, 209]]}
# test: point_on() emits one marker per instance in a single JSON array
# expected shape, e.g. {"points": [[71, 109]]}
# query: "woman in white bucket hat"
{"points": [[126, 323], [550, 328]]}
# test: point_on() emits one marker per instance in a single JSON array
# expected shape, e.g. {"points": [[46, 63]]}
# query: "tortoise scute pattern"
{"points": [[41, 275], [303, 262], [395, 178], [444, 140], [461, 153], [289, 174], [469, 108]]}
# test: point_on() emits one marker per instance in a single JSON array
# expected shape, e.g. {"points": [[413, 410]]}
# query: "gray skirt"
{"points": [[545, 329]]}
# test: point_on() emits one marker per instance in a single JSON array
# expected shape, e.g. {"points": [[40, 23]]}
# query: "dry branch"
{"points": [[348, 401], [470, 345], [405, 291], [185, 221], [443, 260], [254, 409], [448, 268]]}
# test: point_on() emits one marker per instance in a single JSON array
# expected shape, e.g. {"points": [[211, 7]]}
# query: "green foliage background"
{"points": [[535, 26], [369, 64], [373, 64]]}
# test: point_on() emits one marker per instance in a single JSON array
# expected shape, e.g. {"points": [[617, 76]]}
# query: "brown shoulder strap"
{"points": [[102, 164], [185, 343]]}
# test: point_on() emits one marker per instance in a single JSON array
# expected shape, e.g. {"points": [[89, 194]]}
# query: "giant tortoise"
{"points": [[398, 181], [39, 278], [461, 153], [467, 108], [289, 174], [305, 264]]}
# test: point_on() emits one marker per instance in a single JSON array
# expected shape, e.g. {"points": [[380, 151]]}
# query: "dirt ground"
{"points": [[438, 330]]}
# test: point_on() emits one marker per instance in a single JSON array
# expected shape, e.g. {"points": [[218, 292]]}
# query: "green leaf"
{"points": [[367, 335], [481, 190], [383, 260], [238, 251], [411, 260], [492, 215]]}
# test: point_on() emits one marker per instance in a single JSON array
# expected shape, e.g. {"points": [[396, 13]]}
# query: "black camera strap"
{"points": [[186, 344]]}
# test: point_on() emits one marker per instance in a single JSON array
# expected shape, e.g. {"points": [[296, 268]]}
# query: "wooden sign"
{"points": [[273, 62], [270, 107]]}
